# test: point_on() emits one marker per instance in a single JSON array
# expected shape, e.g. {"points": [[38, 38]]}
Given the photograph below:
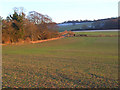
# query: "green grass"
{"points": [[99, 33], [68, 62]]}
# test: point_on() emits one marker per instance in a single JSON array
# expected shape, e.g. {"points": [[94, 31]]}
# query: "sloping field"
{"points": [[65, 63], [71, 27]]}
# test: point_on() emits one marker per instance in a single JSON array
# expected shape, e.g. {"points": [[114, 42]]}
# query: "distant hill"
{"points": [[108, 23]]}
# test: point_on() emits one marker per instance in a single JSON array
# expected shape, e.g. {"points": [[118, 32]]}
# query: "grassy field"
{"points": [[99, 33], [65, 63]]}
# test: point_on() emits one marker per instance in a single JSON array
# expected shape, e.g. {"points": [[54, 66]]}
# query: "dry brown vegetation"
{"points": [[17, 28]]}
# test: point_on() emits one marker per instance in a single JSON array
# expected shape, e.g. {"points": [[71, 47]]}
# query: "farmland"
{"points": [[104, 33], [70, 27], [65, 63]]}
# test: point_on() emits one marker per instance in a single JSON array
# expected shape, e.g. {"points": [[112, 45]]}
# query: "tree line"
{"points": [[107, 23], [18, 27]]}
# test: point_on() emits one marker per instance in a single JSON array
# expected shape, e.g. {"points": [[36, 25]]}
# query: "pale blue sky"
{"points": [[62, 10]]}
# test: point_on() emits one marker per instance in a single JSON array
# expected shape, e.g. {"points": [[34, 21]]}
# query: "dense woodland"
{"points": [[18, 27]]}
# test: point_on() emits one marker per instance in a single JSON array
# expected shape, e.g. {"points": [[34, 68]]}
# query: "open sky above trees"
{"points": [[62, 10]]}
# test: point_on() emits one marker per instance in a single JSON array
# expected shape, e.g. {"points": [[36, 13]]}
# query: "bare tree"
{"points": [[38, 18]]}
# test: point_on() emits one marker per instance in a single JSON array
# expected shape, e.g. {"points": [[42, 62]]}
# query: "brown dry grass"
{"points": [[38, 41]]}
